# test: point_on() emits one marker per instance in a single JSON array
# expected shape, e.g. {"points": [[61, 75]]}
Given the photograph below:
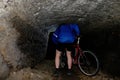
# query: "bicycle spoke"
{"points": [[88, 63]]}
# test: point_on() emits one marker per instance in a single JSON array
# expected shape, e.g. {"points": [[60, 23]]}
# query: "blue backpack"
{"points": [[54, 38], [65, 33]]}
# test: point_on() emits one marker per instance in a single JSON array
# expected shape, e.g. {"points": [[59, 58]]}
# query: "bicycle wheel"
{"points": [[88, 63]]}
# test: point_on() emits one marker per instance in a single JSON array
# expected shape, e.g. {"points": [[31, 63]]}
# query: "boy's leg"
{"points": [[57, 58], [69, 59], [57, 63]]}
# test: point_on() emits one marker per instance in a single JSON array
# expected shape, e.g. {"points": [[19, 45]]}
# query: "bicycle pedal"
{"points": [[62, 65], [75, 62]]}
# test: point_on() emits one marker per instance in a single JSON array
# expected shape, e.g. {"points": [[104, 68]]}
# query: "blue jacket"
{"points": [[66, 33]]}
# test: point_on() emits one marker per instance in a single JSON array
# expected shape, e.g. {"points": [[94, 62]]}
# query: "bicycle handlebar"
{"points": [[78, 40]]}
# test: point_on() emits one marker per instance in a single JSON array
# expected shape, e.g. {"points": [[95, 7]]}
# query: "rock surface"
{"points": [[4, 70], [26, 24], [45, 72]]}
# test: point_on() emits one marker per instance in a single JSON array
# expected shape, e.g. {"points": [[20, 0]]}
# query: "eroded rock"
{"points": [[26, 24]]}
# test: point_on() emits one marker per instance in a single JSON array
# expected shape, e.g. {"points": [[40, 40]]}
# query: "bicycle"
{"points": [[86, 60]]}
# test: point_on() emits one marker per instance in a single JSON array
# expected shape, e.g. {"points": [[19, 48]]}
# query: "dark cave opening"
{"points": [[30, 42], [25, 30], [105, 43]]}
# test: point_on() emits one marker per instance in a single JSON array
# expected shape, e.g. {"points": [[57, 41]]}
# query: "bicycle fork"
{"points": [[78, 52]]}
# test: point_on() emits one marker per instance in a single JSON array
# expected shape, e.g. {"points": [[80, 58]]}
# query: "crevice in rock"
{"points": [[30, 42]]}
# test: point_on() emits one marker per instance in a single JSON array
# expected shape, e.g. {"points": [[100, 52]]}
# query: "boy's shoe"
{"points": [[56, 73], [69, 72]]}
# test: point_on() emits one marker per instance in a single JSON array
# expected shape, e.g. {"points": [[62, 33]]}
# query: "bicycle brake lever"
{"points": [[78, 40]]}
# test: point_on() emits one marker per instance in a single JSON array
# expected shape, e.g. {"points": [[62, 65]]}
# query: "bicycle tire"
{"points": [[88, 63]]}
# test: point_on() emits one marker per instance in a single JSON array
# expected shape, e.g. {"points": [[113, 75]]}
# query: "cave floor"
{"points": [[44, 71]]}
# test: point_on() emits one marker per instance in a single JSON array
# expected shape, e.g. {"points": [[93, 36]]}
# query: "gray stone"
{"points": [[4, 69], [26, 24]]}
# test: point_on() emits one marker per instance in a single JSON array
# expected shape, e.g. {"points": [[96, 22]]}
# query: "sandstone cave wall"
{"points": [[26, 24]]}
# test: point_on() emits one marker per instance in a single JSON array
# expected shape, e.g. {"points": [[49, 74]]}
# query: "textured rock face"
{"points": [[25, 24], [42, 11], [39, 12], [4, 70]]}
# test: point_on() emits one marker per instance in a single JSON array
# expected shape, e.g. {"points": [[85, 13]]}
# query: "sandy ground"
{"points": [[44, 71]]}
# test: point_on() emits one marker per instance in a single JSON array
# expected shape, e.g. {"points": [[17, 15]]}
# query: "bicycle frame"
{"points": [[82, 60], [77, 53]]}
